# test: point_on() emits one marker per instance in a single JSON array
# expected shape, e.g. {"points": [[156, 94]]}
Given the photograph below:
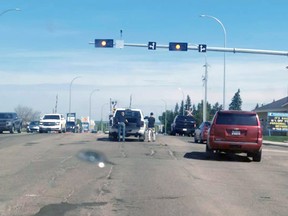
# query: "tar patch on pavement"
{"points": [[61, 208]]}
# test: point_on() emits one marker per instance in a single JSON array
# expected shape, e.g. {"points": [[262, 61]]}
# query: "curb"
{"points": [[283, 144]]}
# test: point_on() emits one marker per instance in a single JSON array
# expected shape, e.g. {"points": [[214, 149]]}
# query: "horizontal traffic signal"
{"points": [[104, 43], [176, 46]]}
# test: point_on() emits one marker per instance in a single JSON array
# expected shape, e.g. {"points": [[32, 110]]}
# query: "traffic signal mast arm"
{"points": [[196, 47], [218, 49]]}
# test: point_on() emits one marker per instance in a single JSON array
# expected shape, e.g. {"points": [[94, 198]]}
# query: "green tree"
{"points": [[236, 102], [181, 110], [188, 103], [169, 120], [216, 107], [176, 110]]}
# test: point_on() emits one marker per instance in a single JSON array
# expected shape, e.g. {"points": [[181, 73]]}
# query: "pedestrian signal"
{"points": [[175, 46], [104, 43]]}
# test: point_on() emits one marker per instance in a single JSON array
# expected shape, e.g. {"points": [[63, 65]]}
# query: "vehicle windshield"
{"points": [[46, 117], [6, 116], [70, 123], [34, 123]]}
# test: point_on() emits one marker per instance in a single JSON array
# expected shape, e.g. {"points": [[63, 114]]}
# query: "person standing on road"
{"points": [[151, 127], [121, 120]]}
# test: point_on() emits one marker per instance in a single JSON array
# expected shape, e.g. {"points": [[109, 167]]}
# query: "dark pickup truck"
{"points": [[9, 121]]}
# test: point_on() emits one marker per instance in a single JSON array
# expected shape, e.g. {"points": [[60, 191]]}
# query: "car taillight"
{"points": [[259, 134], [211, 131]]}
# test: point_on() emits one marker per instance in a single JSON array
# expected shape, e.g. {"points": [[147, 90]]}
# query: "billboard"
{"points": [[278, 121]]}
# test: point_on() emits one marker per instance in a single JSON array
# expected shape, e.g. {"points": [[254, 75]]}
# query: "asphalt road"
{"points": [[61, 175]]}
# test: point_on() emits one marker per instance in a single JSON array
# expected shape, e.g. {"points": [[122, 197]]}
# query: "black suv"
{"points": [[183, 125]]}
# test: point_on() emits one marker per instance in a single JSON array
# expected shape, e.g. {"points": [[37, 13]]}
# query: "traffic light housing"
{"points": [[104, 43], [176, 46]]}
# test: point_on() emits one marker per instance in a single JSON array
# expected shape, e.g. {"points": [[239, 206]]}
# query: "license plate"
{"points": [[184, 129], [236, 133]]}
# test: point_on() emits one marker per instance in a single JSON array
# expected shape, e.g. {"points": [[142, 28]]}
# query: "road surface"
{"points": [[63, 175]]}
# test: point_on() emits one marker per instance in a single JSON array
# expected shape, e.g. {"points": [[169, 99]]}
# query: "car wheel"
{"points": [[141, 138], [12, 130], [209, 152], [257, 156]]}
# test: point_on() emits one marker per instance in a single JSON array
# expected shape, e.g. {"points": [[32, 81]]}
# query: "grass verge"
{"points": [[276, 138]]}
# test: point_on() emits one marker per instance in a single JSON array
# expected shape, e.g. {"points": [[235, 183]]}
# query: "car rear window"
{"points": [[129, 114], [236, 119], [184, 118]]}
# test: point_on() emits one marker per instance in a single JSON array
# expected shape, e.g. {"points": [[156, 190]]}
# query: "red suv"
{"points": [[237, 132]]}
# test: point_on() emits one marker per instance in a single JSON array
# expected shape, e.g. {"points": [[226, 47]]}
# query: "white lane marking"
{"points": [[31, 195], [172, 154]]}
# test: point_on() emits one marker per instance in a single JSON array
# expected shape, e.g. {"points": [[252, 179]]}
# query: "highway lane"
{"points": [[59, 174]]}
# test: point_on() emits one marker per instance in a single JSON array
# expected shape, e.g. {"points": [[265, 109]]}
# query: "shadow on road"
{"points": [[106, 139], [217, 157]]}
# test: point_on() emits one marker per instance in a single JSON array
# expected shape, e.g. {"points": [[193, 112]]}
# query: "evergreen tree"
{"points": [[236, 102], [181, 110], [188, 103], [176, 110]]}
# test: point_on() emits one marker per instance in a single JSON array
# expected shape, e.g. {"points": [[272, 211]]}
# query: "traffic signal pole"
{"points": [[218, 49], [212, 49]]}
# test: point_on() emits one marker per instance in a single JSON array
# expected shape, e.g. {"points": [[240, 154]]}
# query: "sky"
{"points": [[45, 45]]}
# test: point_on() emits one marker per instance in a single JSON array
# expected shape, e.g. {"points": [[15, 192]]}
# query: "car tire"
{"points": [[257, 156], [12, 130], [209, 152], [141, 138]]}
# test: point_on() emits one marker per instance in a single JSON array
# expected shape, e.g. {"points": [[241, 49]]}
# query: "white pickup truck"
{"points": [[52, 122]]}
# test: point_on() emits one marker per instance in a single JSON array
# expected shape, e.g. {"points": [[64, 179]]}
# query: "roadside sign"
{"points": [[151, 45], [202, 47]]}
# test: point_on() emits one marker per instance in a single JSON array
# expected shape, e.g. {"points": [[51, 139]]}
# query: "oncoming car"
{"points": [[52, 122], [33, 126]]}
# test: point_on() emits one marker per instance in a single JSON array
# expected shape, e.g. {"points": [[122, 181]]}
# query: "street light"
{"points": [[165, 120], [205, 79], [8, 10], [90, 101], [102, 115], [224, 75], [183, 99], [70, 92]]}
